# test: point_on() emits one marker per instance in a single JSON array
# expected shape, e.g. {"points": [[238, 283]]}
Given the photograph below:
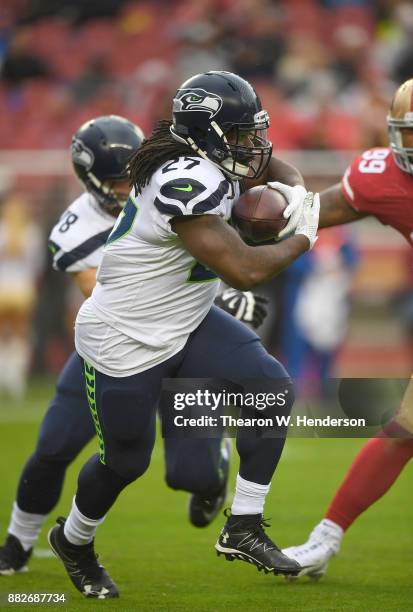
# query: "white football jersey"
{"points": [[78, 238], [150, 292]]}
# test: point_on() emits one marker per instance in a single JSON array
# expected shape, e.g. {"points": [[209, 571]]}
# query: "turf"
{"points": [[160, 562]]}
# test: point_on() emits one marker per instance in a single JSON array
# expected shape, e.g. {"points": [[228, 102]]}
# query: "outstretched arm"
{"points": [[334, 208]]}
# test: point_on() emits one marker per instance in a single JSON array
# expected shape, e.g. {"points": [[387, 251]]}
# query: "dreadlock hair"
{"points": [[159, 148]]}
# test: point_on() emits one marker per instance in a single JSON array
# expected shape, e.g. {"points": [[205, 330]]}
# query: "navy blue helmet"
{"points": [[101, 151], [219, 115]]}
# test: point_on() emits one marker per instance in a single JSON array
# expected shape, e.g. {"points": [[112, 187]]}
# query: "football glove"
{"points": [[295, 198], [308, 222], [244, 306]]}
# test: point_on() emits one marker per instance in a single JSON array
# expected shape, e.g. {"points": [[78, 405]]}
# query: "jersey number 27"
{"points": [[197, 274]]}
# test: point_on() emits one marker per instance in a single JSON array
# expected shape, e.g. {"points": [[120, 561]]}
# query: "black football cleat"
{"points": [[13, 557], [203, 510], [243, 537], [88, 576]]}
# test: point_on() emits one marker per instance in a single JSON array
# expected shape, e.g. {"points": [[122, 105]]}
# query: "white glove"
{"points": [[308, 222], [295, 198], [244, 305]]}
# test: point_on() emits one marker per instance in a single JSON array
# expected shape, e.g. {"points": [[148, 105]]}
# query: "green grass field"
{"points": [[160, 562]]}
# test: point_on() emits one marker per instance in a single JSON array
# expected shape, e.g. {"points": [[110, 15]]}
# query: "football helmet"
{"points": [[101, 150], [400, 117], [219, 115]]}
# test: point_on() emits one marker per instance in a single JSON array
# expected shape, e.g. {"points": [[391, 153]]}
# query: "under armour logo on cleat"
{"points": [[225, 537]]}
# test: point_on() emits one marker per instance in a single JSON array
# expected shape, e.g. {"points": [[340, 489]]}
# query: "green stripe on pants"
{"points": [[90, 381]]}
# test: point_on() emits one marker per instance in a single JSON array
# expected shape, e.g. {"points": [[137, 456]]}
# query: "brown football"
{"points": [[258, 213]]}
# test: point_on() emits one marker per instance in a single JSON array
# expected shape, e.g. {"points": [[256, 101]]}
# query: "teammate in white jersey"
{"points": [[143, 320], [101, 149], [76, 243], [151, 314]]}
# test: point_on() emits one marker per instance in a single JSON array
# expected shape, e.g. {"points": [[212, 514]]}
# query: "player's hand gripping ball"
{"points": [[258, 213]]}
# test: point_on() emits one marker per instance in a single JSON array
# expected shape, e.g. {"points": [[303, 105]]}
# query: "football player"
{"points": [[380, 183], [101, 149], [151, 314]]}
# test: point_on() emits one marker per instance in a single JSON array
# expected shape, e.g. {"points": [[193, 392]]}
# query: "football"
{"points": [[258, 213]]}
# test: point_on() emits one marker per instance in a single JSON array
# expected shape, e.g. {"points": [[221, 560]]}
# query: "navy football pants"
{"points": [[124, 409], [191, 465]]}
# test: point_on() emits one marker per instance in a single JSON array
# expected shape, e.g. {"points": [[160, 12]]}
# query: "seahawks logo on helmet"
{"points": [[197, 100], [81, 154]]}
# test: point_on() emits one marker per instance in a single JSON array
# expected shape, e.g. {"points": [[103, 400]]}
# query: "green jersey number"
{"points": [[197, 274]]}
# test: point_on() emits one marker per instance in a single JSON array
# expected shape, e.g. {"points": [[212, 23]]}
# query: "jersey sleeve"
{"points": [[191, 187], [68, 256], [364, 180], [352, 187]]}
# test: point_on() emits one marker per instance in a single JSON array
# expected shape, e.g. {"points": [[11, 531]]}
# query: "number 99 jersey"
{"points": [[150, 292], [373, 184]]}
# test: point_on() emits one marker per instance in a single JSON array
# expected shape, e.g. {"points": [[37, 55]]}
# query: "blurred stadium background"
{"points": [[326, 70]]}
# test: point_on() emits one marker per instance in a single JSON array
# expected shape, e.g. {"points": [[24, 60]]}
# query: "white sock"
{"points": [[25, 526], [79, 529], [249, 497], [332, 528]]}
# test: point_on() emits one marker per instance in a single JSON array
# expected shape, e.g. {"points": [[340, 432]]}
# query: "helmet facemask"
{"points": [[241, 150], [249, 150], [106, 194], [403, 155]]}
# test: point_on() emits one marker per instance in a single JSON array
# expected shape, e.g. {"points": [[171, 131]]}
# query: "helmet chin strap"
{"points": [[201, 153], [118, 203], [239, 168], [97, 183], [228, 163]]}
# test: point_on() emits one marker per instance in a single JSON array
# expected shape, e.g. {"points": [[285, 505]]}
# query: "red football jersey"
{"points": [[375, 185]]}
